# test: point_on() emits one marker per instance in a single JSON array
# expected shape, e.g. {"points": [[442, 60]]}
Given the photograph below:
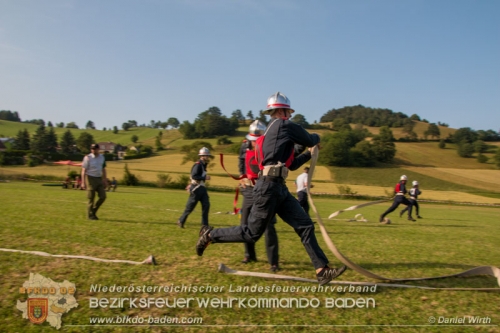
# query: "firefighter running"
{"points": [[400, 191], [197, 189], [249, 169], [275, 152]]}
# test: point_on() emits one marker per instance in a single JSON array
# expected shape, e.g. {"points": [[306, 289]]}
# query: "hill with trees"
{"points": [[210, 124], [368, 116], [352, 136]]}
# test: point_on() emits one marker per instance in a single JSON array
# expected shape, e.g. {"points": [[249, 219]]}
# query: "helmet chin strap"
{"points": [[286, 115]]}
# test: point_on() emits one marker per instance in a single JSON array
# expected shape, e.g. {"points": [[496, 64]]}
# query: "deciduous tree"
{"points": [[173, 122], [433, 131], [126, 126], [250, 115], [84, 141], [300, 119], [90, 125], [71, 124]]}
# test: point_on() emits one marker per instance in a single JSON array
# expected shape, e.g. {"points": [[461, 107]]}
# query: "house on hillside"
{"points": [[134, 148], [107, 147], [112, 148], [2, 146]]}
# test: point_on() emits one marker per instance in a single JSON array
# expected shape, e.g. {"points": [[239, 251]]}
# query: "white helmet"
{"points": [[278, 101], [204, 152], [256, 129], [403, 177], [414, 183]]}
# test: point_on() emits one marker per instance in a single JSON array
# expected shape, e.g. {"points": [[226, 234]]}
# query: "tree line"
{"points": [[14, 116], [45, 140], [9, 115], [348, 147], [359, 114]]}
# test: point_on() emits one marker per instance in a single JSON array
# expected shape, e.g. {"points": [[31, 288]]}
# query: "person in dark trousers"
{"points": [[414, 193], [94, 173], [301, 183], [249, 169], [400, 191], [275, 154], [197, 190]]}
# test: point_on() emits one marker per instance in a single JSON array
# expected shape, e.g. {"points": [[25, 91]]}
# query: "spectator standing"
{"points": [[301, 183], [94, 174]]}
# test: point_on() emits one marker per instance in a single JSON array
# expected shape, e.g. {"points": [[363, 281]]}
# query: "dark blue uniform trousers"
{"points": [[304, 203], [271, 197], [414, 203], [270, 234], [399, 199], [199, 194]]}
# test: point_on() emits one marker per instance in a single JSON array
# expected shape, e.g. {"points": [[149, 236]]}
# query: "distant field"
{"points": [[428, 154], [437, 184], [483, 179]]}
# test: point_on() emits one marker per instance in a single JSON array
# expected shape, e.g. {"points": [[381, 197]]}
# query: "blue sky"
{"points": [[117, 60]]}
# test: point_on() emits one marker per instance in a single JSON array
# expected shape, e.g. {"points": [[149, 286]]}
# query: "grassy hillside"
{"points": [[428, 154], [420, 128], [146, 134]]}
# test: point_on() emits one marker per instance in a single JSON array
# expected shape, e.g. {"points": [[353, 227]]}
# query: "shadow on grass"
{"points": [[128, 192], [405, 224], [414, 265], [452, 220], [403, 163], [450, 225], [455, 282], [139, 222], [187, 227]]}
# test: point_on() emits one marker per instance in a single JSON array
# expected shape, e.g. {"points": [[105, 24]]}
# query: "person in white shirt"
{"points": [[94, 171], [301, 183]]}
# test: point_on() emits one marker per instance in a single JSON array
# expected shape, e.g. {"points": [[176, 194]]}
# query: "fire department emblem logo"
{"points": [[46, 300], [38, 309]]}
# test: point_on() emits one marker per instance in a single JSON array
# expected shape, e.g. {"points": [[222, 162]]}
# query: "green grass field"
{"points": [[137, 222]]}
